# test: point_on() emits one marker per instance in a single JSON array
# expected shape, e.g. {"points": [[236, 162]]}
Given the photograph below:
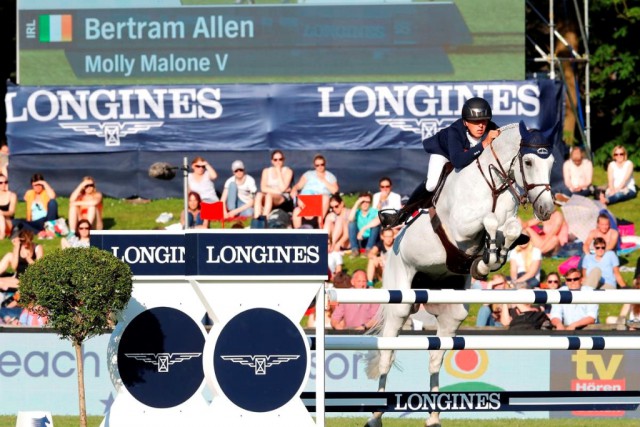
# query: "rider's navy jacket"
{"points": [[452, 143]]}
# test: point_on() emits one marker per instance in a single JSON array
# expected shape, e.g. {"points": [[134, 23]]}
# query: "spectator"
{"points": [[378, 256], [24, 253], [194, 219], [553, 235], [41, 205], [340, 280], [522, 316], [239, 192], [385, 198], [337, 224], [489, 314], [298, 221], [553, 282], [603, 230], [80, 238], [201, 180], [629, 317], [525, 265], [573, 316], [8, 202], [317, 181], [275, 187], [620, 183], [4, 158], [355, 316], [334, 259], [578, 175], [602, 269], [361, 234], [85, 202]]}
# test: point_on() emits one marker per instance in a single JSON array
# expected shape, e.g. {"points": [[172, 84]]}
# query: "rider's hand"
{"points": [[493, 134]]}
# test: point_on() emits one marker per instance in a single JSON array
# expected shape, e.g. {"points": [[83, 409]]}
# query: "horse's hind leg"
{"points": [[449, 316]]}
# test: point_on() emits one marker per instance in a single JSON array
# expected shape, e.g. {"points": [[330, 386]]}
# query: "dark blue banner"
{"points": [[119, 131]]}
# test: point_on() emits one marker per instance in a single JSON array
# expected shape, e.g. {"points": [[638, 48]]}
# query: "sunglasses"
{"points": [[366, 201], [334, 206], [385, 186], [599, 247], [278, 159], [198, 166], [89, 185], [553, 281], [318, 165], [238, 170], [83, 228], [618, 154], [574, 279]]}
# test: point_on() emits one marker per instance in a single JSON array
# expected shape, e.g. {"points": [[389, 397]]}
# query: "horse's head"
{"points": [[536, 160]]}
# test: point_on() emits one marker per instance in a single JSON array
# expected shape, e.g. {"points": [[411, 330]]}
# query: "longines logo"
{"points": [[162, 360], [261, 362], [424, 127], [110, 131]]}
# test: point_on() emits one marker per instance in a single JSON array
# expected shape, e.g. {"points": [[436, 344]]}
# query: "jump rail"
{"points": [[479, 342], [473, 296]]}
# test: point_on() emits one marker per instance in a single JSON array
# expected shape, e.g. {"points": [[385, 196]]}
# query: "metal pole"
{"points": [[552, 47], [587, 83], [185, 170]]}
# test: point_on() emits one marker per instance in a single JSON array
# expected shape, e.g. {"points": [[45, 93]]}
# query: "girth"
{"points": [[457, 261]]}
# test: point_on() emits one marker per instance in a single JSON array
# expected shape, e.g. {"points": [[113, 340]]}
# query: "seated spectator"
{"points": [[360, 317], [489, 314], [337, 224], [385, 198], [85, 202], [553, 281], [603, 230], [522, 316], [602, 269], [378, 256], [41, 205], [361, 233], [629, 317], [80, 238], [194, 219], [201, 180], [525, 262], [310, 222], [553, 235], [275, 187], [578, 174], [573, 316], [317, 181], [25, 252], [620, 182], [340, 280], [8, 202], [239, 192], [334, 259]]}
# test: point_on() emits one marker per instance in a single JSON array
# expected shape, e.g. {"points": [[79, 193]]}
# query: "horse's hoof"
{"points": [[475, 273], [374, 422]]}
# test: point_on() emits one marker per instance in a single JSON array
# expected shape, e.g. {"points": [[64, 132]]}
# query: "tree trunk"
{"points": [[81, 399]]}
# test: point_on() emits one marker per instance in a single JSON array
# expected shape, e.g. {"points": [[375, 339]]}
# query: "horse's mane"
{"points": [[509, 126]]}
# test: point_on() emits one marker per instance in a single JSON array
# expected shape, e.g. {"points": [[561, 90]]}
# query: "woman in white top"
{"points": [[621, 185], [275, 186], [525, 263], [201, 180]]}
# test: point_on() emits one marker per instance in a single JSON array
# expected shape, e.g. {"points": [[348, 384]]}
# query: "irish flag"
{"points": [[55, 28]]}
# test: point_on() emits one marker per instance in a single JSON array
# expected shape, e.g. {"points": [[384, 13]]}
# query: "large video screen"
{"points": [[118, 42]]}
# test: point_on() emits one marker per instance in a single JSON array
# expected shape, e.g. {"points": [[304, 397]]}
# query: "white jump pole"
{"points": [[482, 342], [479, 296]]}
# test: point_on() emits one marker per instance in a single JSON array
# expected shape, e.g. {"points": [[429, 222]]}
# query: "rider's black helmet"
{"points": [[476, 109]]}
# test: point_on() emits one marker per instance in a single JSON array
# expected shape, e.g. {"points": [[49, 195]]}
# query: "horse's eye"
{"points": [[528, 163]]}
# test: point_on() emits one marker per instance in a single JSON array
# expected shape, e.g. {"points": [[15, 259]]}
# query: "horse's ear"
{"points": [[548, 134], [523, 129]]}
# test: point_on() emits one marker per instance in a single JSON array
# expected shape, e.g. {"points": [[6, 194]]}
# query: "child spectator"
{"points": [[239, 192], [85, 202]]}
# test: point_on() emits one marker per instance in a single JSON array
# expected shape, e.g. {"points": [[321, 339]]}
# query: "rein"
{"points": [[508, 183]]}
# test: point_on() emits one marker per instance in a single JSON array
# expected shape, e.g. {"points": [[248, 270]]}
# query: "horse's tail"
{"points": [[373, 356]]}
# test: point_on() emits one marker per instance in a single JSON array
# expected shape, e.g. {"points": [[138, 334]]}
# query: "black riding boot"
{"points": [[392, 218]]}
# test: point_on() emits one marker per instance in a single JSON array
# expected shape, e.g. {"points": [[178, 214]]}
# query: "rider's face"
{"points": [[476, 127]]}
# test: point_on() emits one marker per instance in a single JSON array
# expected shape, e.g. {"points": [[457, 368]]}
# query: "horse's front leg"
{"points": [[511, 230], [489, 261], [449, 317]]}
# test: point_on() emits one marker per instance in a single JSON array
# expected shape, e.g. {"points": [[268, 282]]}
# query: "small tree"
{"points": [[80, 291]]}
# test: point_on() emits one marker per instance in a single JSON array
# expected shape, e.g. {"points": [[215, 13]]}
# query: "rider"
{"points": [[460, 144]]}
